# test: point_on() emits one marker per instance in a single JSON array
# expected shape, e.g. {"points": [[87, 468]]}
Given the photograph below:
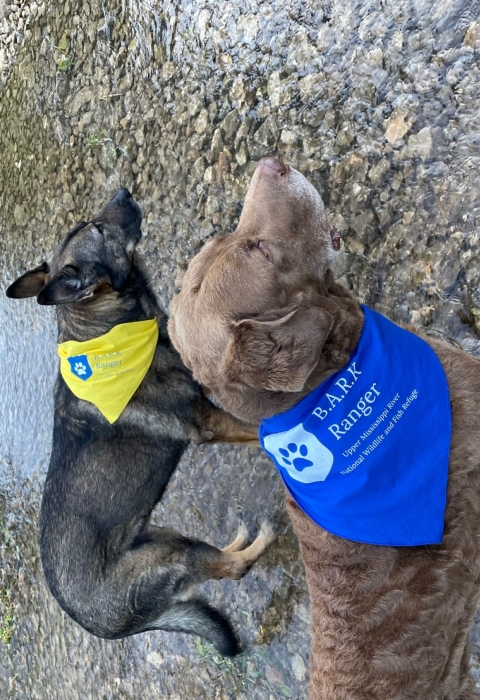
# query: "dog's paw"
{"points": [[242, 531], [268, 533], [240, 540]]}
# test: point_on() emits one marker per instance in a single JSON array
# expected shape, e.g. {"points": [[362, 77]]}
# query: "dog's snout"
{"points": [[122, 210], [122, 195], [274, 165]]}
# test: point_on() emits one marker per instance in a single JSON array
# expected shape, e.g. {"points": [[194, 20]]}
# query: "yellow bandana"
{"points": [[108, 370]]}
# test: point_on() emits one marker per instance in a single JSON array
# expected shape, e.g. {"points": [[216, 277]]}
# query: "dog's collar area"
{"points": [[366, 453], [107, 371]]}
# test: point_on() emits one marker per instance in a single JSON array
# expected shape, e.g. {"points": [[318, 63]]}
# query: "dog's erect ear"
{"points": [[277, 355], [29, 284], [71, 285]]}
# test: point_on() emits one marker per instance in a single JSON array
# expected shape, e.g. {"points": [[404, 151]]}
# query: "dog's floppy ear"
{"points": [[70, 285], [277, 355], [30, 283]]}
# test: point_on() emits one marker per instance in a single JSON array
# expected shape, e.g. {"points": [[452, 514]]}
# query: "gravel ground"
{"points": [[378, 106]]}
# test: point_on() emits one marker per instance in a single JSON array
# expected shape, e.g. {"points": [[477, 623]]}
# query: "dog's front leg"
{"points": [[216, 425]]}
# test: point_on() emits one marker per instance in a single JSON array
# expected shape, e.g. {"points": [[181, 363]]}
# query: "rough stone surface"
{"points": [[377, 103]]}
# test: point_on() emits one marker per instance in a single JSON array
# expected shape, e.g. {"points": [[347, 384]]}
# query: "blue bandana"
{"points": [[365, 455]]}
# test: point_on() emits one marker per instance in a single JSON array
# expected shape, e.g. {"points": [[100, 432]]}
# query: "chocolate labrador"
{"points": [[261, 321]]}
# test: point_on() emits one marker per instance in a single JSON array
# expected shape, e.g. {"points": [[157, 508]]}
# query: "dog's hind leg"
{"points": [[152, 586], [207, 562], [235, 563], [216, 425], [240, 540]]}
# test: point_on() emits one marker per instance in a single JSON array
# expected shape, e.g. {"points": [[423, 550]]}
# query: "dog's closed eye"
{"points": [[266, 250], [263, 247], [71, 277], [73, 283]]}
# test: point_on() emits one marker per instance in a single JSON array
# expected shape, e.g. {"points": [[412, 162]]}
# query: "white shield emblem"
{"points": [[304, 457]]}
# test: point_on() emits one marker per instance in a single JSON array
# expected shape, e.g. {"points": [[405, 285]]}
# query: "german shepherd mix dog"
{"points": [[110, 569]]}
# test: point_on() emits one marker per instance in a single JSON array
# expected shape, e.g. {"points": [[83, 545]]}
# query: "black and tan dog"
{"points": [[109, 568]]}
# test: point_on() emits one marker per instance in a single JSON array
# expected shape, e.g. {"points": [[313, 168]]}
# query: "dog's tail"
{"points": [[195, 616]]}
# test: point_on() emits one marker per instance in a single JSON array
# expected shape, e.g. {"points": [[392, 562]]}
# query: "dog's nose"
{"points": [[275, 165], [122, 194]]}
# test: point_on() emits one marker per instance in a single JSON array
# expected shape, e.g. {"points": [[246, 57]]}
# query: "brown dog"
{"points": [[261, 321]]}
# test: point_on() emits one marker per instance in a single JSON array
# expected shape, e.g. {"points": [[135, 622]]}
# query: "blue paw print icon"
{"points": [[80, 367], [300, 453], [290, 456]]}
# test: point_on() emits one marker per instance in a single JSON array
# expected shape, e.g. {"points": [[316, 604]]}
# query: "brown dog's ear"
{"points": [[277, 355], [29, 284]]}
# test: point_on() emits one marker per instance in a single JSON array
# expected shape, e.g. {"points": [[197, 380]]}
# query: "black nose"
{"points": [[122, 195], [121, 210]]}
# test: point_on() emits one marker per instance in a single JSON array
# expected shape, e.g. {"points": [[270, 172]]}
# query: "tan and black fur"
{"points": [[261, 321], [110, 569]]}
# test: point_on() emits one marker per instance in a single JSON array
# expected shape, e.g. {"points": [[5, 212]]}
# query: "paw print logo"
{"points": [[80, 367], [300, 454], [290, 456]]}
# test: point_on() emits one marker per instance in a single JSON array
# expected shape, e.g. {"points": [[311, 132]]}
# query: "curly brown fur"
{"points": [[387, 623]]}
